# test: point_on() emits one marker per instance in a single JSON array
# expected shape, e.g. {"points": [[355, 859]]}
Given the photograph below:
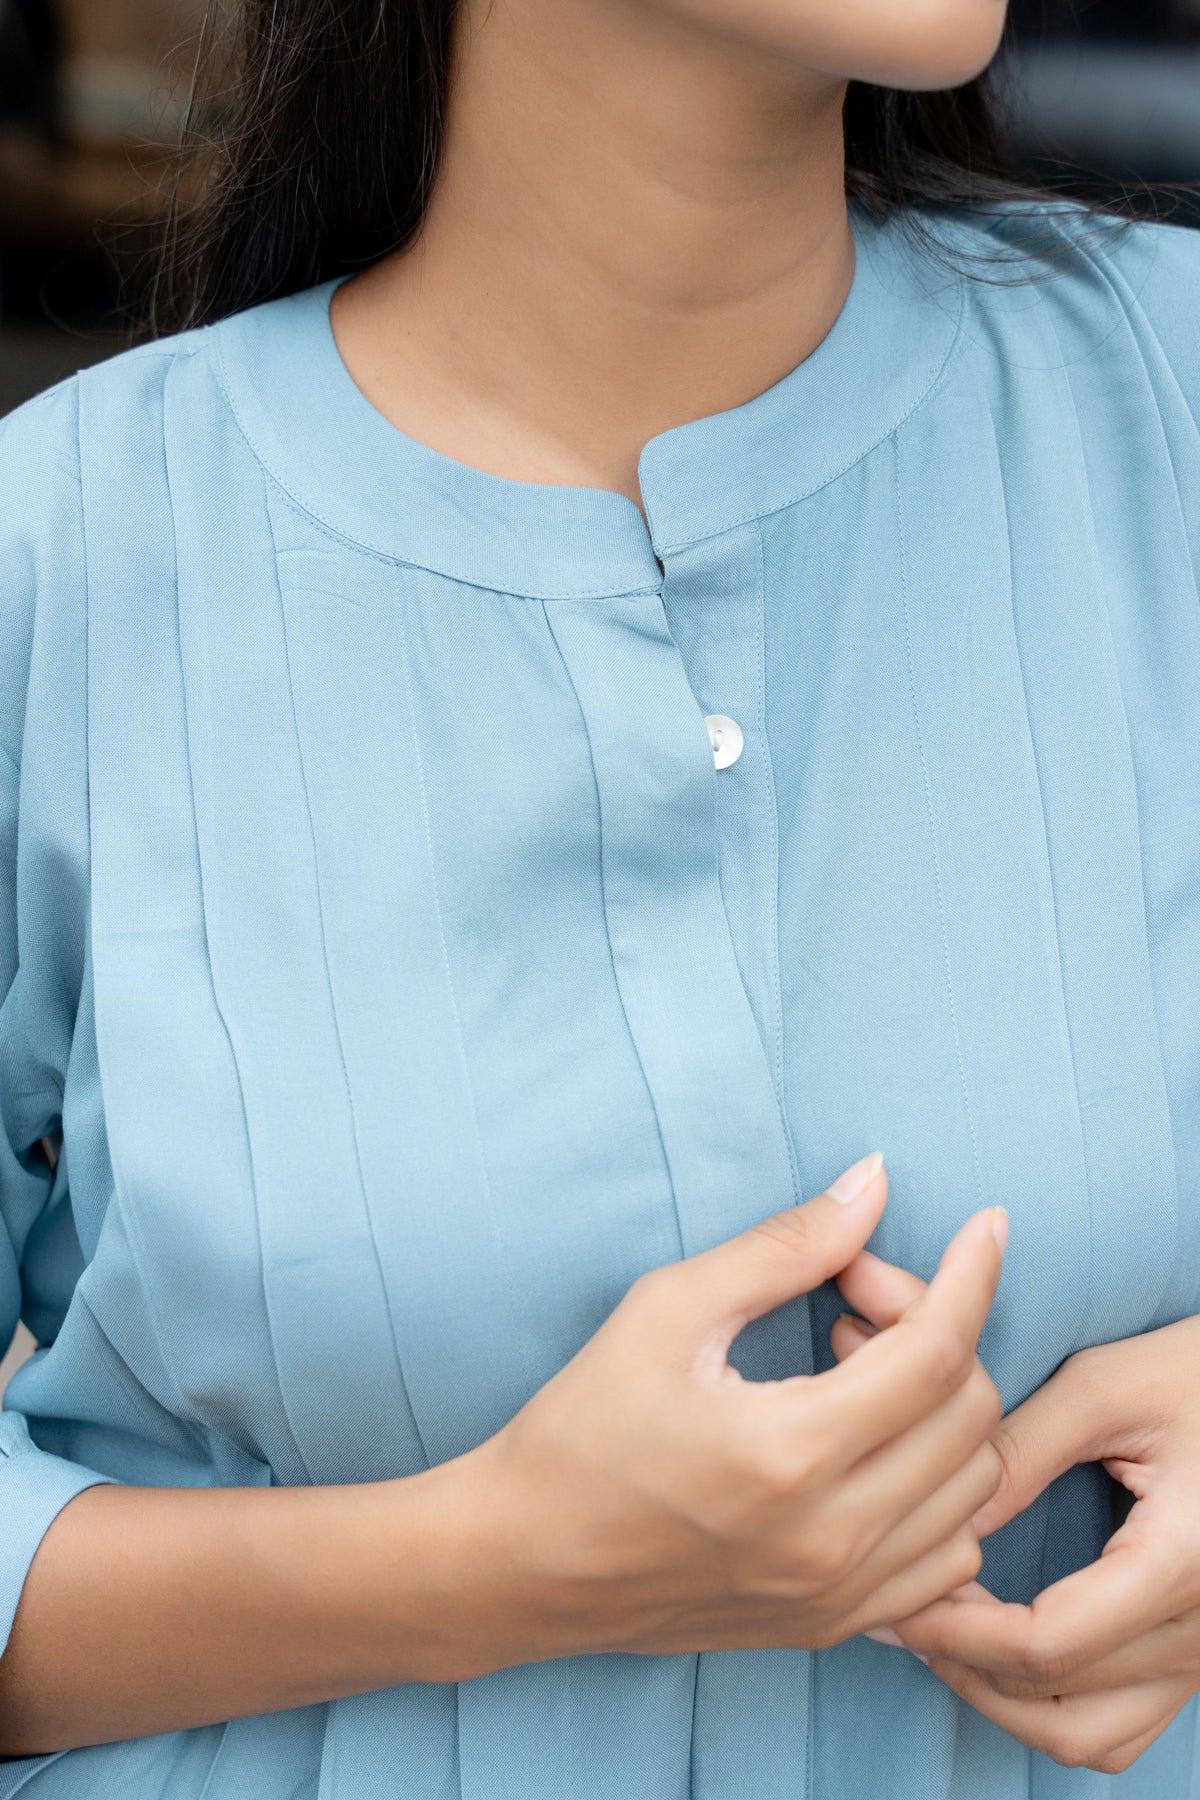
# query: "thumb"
{"points": [[790, 1253]]}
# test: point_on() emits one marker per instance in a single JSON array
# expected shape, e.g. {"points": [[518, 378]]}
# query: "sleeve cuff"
{"points": [[34, 1488]]}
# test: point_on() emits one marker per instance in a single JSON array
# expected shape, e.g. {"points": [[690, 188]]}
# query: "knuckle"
{"points": [[1089, 1372], [1172, 1561], [817, 1459], [966, 1561], [838, 1561], [830, 1558], [1010, 1452], [989, 1472], [651, 1288], [661, 1297], [1029, 1687], [986, 1398], [793, 1230], [826, 1624], [951, 1356], [801, 1471], [777, 1468], [1115, 1762], [1046, 1664], [1026, 1687], [778, 1473], [1073, 1750]]}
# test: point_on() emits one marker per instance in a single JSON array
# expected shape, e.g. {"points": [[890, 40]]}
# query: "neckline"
{"points": [[357, 473]]}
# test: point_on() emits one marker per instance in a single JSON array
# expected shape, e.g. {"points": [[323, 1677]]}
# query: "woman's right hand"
{"points": [[649, 1499]]}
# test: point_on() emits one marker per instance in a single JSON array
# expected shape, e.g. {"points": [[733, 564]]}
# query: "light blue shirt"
{"points": [[407, 978]]}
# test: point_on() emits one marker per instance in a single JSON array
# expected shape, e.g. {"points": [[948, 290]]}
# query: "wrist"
{"points": [[453, 1553]]}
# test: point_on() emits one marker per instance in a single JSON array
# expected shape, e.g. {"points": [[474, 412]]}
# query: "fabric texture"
{"points": [[406, 980]]}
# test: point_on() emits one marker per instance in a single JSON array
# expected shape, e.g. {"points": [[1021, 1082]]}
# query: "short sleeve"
{"points": [[36, 477]]}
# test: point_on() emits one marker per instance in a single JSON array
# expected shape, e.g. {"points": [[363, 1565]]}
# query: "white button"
{"points": [[725, 736]]}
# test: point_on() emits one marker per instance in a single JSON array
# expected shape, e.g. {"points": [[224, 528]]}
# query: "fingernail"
{"points": [[1000, 1226], [856, 1179], [860, 1325], [883, 1634]]}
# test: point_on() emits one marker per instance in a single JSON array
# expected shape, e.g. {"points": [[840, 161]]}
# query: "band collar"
{"points": [[342, 461]]}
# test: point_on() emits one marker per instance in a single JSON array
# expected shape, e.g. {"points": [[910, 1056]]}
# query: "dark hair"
{"points": [[322, 144]]}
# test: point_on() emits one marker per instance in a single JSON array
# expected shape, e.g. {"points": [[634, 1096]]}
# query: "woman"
{"points": [[532, 743]]}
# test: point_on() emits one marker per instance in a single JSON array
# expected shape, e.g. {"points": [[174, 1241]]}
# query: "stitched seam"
{"points": [[333, 1008], [57, 1087], [217, 1009], [773, 824], [183, 1406], [601, 837], [764, 512], [8, 1457], [387, 556], [1151, 993], [422, 789], [400, 562], [934, 379], [218, 1755], [929, 813], [1085, 1300], [88, 972]]}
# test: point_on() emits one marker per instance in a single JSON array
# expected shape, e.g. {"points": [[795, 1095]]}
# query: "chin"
{"points": [[915, 44]]}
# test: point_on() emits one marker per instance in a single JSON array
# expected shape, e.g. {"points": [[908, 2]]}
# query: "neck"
{"points": [[634, 224]]}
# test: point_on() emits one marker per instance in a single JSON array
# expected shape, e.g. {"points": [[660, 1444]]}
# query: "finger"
{"points": [[892, 1482], [1170, 1651], [1125, 1755], [905, 1372], [716, 1292], [1084, 1731], [847, 1334], [947, 1566], [1091, 1614], [943, 1516], [1067, 1420], [881, 1291]]}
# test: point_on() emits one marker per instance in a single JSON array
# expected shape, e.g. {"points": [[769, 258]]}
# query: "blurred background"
{"points": [[92, 101], [1103, 95]]}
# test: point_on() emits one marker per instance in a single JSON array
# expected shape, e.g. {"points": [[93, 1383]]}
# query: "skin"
{"points": [[1096, 1668], [639, 219], [646, 1499]]}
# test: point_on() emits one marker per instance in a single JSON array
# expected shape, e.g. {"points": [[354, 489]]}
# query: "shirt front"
{"points": [[407, 976]]}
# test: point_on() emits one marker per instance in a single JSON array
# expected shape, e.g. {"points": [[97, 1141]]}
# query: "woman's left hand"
{"points": [[1101, 1662]]}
